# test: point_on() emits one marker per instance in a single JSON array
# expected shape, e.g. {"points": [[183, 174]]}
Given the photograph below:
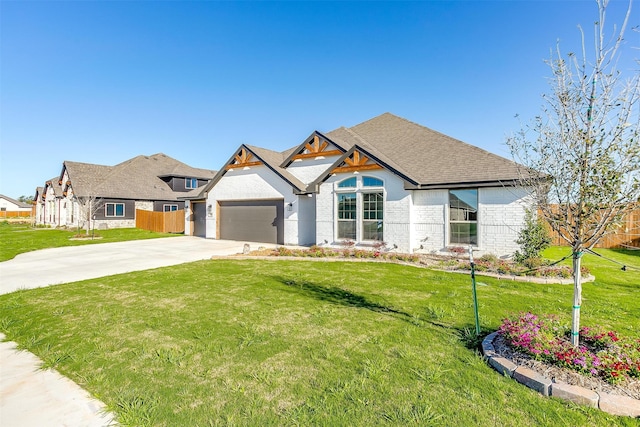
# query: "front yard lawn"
{"points": [[607, 268], [260, 342], [19, 238]]}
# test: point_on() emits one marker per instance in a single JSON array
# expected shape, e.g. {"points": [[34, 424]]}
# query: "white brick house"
{"points": [[386, 179]]}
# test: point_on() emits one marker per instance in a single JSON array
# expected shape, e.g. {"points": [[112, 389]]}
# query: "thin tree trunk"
{"points": [[577, 298]]}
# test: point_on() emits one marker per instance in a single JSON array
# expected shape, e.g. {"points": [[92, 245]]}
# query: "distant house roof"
{"points": [[55, 185], [422, 157], [38, 194], [139, 178], [15, 202]]}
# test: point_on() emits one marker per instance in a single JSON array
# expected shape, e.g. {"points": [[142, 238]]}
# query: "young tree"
{"points": [[585, 145], [88, 208]]}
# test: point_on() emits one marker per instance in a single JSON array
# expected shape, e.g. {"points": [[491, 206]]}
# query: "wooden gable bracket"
{"points": [[316, 149], [243, 160], [356, 162]]}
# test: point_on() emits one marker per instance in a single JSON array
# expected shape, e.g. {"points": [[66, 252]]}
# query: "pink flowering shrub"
{"points": [[601, 353]]}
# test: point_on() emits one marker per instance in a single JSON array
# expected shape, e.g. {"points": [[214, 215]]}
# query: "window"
{"points": [[372, 215], [169, 208], [347, 216], [191, 183], [347, 183], [463, 217], [368, 181], [114, 209], [360, 212]]}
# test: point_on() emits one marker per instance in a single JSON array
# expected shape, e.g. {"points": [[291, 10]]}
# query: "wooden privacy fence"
{"points": [[162, 222], [15, 214], [627, 235]]}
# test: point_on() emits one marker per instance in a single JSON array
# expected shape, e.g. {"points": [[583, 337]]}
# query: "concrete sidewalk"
{"points": [[30, 397]]}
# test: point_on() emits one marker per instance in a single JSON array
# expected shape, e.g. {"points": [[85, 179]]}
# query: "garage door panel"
{"points": [[256, 221]]}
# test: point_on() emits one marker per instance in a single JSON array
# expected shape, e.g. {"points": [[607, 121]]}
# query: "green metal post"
{"points": [[473, 286]]}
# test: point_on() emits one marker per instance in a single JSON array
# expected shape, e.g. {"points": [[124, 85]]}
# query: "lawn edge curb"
{"points": [[609, 403]]}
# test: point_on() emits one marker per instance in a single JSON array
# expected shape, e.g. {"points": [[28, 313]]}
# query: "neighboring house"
{"points": [[38, 203], [7, 204], [110, 195], [387, 179]]}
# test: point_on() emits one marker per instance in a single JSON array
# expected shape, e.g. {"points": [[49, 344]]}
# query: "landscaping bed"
{"points": [[455, 261], [604, 361]]}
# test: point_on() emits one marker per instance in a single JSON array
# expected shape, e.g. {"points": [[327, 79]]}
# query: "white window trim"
{"points": [[114, 210], [477, 246], [188, 183], [359, 190], [169, 204]]}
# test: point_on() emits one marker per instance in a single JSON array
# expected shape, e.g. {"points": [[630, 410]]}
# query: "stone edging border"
{"points": [[610, 403]]}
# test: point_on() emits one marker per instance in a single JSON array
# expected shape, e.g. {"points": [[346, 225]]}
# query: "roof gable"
{"points": [[357, 159], [244, 158], [316, 145], [247, 156]]}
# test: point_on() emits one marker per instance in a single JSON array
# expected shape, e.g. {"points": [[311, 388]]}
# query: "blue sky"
{"points": [[104, 81]]}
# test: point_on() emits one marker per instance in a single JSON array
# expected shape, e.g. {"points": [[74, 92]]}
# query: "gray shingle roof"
{"points": [[38, 194], [427, 157], [138, 178], [424, 158], [54, 184], [273, 160]]}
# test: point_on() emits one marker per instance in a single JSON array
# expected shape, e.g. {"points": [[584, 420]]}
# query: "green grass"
{"points": [[19, 238], [607, 268], [254, 342]]}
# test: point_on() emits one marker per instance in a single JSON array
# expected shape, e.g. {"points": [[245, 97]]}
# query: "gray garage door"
{"points": [[200, 219], [252, 221]]}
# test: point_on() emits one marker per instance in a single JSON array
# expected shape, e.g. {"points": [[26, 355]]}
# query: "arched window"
{"points": [[369, 181], [348, 183]]}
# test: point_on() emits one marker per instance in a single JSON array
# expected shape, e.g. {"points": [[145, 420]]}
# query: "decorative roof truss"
{"points": [[243, 159], [316, 148], [356, 162]]}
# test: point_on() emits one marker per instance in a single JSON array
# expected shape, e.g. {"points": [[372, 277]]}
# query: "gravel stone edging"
{"points": [[609, 403]]}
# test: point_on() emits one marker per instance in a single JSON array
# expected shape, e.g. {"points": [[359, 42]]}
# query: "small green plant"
{"points": [[533, 239]]}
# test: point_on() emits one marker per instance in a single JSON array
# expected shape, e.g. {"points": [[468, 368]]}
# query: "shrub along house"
{"points": [[110, 195], [387, 179]]}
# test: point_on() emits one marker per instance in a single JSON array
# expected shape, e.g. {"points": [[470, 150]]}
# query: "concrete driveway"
{"points": [[33, 397], [70, 264]]}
